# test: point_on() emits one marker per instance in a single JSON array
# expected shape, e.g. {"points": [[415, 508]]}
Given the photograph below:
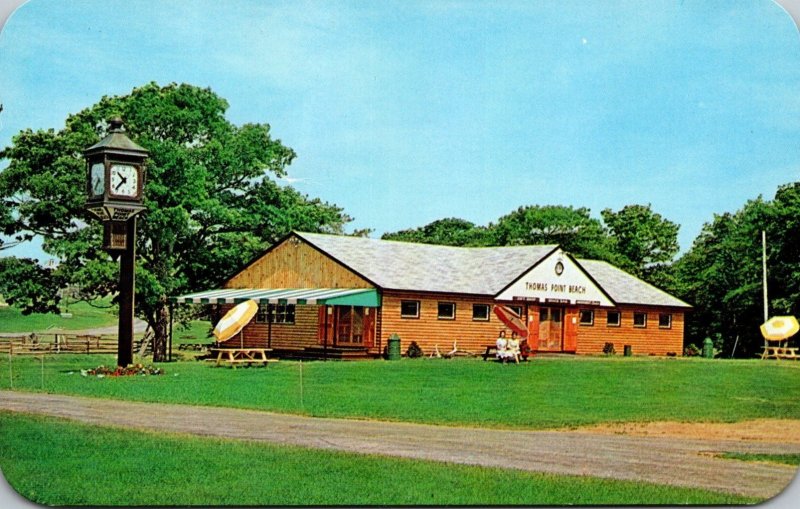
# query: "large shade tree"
{"points": [[211, 198]]}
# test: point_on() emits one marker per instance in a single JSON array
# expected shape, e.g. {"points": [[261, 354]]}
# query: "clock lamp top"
{"points": [[116, 142]]}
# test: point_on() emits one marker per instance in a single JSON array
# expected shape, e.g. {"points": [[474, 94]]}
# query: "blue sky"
{"points": [[406, 112]]}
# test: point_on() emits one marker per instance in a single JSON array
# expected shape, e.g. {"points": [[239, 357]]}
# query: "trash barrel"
{"points": [[708, 348], [627, 350], [393, 353]]}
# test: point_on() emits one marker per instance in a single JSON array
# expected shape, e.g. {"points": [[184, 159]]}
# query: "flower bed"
{"points": [[136, 369]]}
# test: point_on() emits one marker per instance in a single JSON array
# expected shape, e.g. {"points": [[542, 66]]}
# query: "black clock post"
{"points": [[114, 186]]}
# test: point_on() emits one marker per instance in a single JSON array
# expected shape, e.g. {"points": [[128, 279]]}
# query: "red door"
{"points": [[324, 326], [571, 330], [533, 327], [551, 329]]}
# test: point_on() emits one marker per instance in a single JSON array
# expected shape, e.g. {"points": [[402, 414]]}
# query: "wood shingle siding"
{"points": [[298, 335], [429, 331], [296, 265], [643, 340]]}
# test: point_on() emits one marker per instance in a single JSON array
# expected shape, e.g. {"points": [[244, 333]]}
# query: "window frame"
{"points": [[481, 319], [619, 319], [408, 301], [643, 325], [280, 314], [669, 319], [439, 315], [590, 323]]}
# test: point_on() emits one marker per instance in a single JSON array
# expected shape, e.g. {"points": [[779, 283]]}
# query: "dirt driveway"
{"points": [[689, 460]]}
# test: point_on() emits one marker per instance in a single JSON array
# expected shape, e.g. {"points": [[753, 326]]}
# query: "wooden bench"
{"points": [[234, 356], [491, 351]]}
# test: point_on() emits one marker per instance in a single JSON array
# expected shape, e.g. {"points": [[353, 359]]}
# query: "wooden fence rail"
{"points": [[58, 343]]}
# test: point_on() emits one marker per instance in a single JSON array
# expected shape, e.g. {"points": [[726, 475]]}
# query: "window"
{"points": [[640, 319], [665, 321], [280, 313], [447, 311], [516, 309], [480, 312], [613, 319], [587, 317], [409, 309]]}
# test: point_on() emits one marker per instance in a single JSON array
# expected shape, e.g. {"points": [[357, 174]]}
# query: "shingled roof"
{"points": [[469, 270], [426, 267], [625, 288]]}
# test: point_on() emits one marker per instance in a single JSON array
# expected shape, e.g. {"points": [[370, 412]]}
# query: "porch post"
{"points": [[269, 325], [325, 340]]}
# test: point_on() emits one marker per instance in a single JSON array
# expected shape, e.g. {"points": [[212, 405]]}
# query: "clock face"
{"points": [[98, 178], [124, 180]]}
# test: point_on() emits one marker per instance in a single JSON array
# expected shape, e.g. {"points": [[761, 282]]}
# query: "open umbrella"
{"points": [[235, 319], [779, 328], [514, 322]]}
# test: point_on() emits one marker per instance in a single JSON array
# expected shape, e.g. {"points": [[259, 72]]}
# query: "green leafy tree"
{"points": [[211, 203], [32, 287], [783, 236], [573, 228], [721, 275], [449, 232], [645, 241]]}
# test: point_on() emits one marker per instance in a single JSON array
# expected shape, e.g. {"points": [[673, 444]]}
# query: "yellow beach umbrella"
{"points": [[235, 320], [779, 328]]}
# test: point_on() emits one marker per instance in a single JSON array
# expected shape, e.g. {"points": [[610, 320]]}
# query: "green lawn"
{"points": [[785, 459], [84, 316], [544, 393], [196, 331], [56, 462]]}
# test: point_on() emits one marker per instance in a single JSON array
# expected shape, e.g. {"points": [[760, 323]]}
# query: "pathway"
{"points": [[675, 461]]}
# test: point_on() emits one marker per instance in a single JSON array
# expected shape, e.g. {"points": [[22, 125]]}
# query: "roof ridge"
{"points": [[406, 242]]}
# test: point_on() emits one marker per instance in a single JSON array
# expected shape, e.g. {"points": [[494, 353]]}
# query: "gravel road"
{"points": [[673, 460]]}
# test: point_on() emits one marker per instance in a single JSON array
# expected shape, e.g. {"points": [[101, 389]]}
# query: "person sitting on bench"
{"points": [[512, 349], [502, 347]]}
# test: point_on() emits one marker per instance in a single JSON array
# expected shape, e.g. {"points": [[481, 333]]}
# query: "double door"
{"points": [[349, 325], [551, 329]]}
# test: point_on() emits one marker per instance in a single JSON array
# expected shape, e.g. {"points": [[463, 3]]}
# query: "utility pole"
{"points": [[764, 271]]}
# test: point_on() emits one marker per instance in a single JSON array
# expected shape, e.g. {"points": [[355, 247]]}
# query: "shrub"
{"points": [[691, 351], [608, 349], [414, 350]]}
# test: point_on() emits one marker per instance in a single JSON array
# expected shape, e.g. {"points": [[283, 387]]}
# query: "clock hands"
{"points": [[123, 180]]}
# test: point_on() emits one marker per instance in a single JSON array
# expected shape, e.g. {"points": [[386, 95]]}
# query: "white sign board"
{"points": [[556, 279]]}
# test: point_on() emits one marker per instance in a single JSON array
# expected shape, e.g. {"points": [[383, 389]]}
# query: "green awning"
{"points": [[367, 297]]}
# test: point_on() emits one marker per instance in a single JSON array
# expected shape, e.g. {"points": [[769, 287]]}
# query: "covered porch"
{"points": [[302, 322]]}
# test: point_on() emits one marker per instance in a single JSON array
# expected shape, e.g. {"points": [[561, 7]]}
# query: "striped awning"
{"points": [[367, 297]]}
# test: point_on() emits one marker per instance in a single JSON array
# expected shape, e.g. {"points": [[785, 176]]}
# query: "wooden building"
{"points": [[337, 293]]}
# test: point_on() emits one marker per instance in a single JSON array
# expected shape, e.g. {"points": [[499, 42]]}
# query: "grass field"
{"points": [[56, 462], [785, 459], [544, 393], [84, 316]]}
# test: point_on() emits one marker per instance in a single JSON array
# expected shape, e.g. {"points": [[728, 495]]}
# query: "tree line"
{"points": [[213, 203]]}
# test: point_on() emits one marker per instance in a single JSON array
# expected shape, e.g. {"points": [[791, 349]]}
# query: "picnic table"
{"points": [[780, 352], [234, 356]]}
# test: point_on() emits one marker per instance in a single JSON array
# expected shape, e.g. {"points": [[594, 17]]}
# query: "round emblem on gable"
{"points": [[559, 268]]}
